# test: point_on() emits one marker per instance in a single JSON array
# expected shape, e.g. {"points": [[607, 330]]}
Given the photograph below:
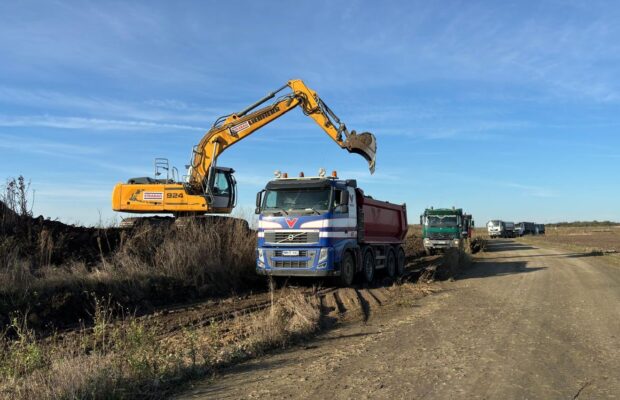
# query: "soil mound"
{"points": [[54, 241]]}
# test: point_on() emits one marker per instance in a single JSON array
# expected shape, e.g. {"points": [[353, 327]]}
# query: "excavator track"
{"points": [[166, 222]]}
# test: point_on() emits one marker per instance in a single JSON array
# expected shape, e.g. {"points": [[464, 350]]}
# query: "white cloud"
{"points": [[154, 110], [91, 155], [529, 190], [31, 145], [90, 123]]}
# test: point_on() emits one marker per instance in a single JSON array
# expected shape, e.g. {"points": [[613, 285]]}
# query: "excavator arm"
{"points": [[197, 194]]}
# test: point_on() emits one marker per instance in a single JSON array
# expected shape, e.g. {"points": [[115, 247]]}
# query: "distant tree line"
{"points": [[583, 223]]}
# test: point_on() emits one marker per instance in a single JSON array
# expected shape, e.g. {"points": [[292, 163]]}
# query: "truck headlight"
{"points": [[426, 240], [323, 254], [456, 242]]}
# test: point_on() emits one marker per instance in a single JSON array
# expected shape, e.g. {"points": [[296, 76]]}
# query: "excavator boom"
{"points": [[211, 189]]}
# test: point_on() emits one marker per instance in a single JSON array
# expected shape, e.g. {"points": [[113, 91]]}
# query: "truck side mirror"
{"points": [[259, 198], [421, 220]]}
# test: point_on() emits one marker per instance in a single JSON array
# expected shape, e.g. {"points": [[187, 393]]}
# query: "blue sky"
{"points": [[510, 110]]}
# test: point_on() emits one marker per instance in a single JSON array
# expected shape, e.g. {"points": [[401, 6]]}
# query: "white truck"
{"points": [[495, 228], [503, 229]]}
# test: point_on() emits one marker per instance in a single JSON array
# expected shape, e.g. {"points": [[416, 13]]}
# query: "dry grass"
{"points": [[206, 256], [130, 360]]}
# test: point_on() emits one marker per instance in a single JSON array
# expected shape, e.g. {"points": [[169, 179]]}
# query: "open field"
{"points": [[586, 239]]}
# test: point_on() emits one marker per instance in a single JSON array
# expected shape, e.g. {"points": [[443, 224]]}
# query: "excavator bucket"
{"points": [[363, 144]]}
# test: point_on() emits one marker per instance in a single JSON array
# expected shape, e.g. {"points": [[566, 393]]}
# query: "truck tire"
{"points": [[400, 261], [347, 269], [429, 251], [391, 263], [368, 265]]}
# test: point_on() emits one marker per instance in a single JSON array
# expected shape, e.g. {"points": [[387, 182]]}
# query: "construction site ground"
{"points": [[520, 322]]}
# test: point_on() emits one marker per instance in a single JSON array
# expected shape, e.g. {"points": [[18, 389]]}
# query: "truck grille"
{"points": [[292, 264], [291, 237], [440, 236]]}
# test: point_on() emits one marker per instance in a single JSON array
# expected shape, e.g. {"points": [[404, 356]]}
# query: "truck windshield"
{"points": [[447, 220], [301, 200]]}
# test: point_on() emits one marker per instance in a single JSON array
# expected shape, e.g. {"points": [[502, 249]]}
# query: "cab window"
{"points": [[336, 202], [221, 186]]}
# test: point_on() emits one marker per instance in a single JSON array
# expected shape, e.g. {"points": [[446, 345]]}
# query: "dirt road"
{"points": [[522, 322]]}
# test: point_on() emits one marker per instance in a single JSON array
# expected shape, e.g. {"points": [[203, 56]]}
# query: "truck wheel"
{"points": [[369, 266], [429, 251], [347, 269], [400, 261], [391, 263]]}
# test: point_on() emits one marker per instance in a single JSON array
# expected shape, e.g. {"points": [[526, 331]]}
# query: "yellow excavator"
{"points": [[210, 189]]}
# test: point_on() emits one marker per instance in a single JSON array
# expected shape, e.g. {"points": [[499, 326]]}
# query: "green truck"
{"points": [[444, 228]]}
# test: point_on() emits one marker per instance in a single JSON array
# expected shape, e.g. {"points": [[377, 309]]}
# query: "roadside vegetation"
{"points": [[129, 359], [583, 224]]}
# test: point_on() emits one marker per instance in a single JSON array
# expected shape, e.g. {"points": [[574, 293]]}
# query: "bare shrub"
{"points": [[15, 196]]}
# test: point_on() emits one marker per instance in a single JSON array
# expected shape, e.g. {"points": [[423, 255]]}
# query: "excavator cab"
{"points": [[223, 188]]}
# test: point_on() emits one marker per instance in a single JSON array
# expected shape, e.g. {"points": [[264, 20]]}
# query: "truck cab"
{"points": [[496, 228], [442, 228], [304, 224], [509, 229], [519, 229]]}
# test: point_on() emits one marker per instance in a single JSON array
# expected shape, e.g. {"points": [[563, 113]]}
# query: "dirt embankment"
{"points": [[43, 242], [54, 272]]}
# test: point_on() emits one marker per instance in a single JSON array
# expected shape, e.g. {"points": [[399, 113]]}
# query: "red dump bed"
{"points": [[383, 222]]}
